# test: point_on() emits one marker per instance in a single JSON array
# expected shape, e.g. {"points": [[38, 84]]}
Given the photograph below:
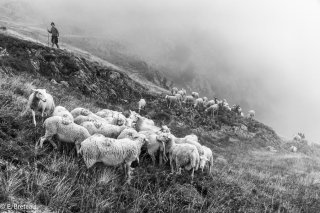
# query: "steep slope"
{"points": [[245, 177], [90, 77]]}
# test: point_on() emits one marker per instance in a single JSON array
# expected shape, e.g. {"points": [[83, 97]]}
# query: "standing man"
{"points": [[54, 35]]}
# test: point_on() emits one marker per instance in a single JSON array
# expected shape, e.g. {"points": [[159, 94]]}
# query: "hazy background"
{"points": [[261, 54]]}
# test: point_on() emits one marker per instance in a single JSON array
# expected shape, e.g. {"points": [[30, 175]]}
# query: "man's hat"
{"points": [[52, 23]]}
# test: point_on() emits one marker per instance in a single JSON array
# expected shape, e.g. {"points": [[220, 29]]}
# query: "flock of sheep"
{"points": [[109, 137], [179, 97]]}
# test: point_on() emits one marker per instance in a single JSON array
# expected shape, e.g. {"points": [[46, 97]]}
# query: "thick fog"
{"points": [[267, 51]]}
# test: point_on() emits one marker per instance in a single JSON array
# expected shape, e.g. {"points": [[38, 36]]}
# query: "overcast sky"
{"points": [[275, 41]]}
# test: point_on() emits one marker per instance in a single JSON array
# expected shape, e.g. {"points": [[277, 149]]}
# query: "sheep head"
{"points": [[133, 115], [40, 94], [85, 112], [165, 129], [66, 120], [141, 138], [203, 160], [120, 121], [97, 124]]}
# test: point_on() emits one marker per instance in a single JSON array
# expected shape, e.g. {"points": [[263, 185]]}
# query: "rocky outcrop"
{"points": [[89, 77]]}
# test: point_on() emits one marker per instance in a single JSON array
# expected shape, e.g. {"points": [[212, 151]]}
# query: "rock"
{"points": [[53, 81], [4, 52], [35, 64], [64, 83]]}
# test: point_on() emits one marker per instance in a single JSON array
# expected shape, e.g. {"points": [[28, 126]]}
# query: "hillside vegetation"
{"points": [[245, 177]]}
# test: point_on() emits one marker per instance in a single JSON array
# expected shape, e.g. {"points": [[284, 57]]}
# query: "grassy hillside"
{"points": [[245, 177]]}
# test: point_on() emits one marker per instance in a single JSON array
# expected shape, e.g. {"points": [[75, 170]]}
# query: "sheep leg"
{"points": [[124, 167], [49, 138], [153, 158], [43, 113], [192, 174], [53, 144], [171, 164], [128, 168], [40, 141], [37, 143], [160, 159], [162, 154], [78, 145], [178, 168], [34, 117]]}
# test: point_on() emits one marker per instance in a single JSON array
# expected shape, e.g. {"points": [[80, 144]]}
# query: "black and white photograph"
{"points": [[160, 106]]}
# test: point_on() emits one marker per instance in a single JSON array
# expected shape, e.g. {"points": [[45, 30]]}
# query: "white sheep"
{"points": [[117, 119], [127, 133], [237, 109], [251, 114], [142, 104], [145, 124], [297, 138], [182, 155], [189, 139], [62, 112], [66, 132], [172, 100], [153, 146], [179, 97], [198, 103], [207, 157], [195, 95], [174, 90], [105, 112], [108, 130], [182, 92], [112, 152], [225, 105], [81, 119], [205, 99], [189, 100], [40, 101], [212, 109], [80, 111], [113, 117], [293, 149], [210, 103]]}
